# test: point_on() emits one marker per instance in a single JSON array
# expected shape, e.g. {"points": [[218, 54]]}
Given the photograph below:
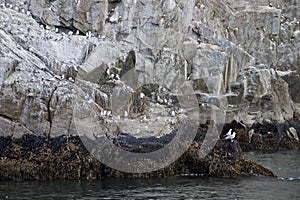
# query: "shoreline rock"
{"points": [[38, 158], [267, 136]]}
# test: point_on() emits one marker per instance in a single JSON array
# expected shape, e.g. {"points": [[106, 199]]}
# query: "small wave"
{"points": [[289, 179]]}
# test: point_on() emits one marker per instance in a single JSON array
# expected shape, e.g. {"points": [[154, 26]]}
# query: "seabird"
{"points": [[102, 37], [112, 76], [230, 135], [159, 99], [173, 113], [75, 68], [292, 133], [77, 32], [71, 79], [142, 95], [108, 71], [250, 134]]}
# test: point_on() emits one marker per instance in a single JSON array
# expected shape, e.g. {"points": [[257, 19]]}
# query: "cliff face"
{"points": [[241, 56]]}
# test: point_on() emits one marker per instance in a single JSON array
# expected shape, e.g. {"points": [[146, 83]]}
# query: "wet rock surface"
{"points": [[38, 158], [267, 136]]}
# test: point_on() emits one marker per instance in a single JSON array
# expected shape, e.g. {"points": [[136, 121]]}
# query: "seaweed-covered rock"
{"points": [[35, 158], [267, 136]]}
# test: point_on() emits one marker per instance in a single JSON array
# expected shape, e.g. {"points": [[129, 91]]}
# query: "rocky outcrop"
{"points": [[139, 67], [267, 136], [37, 158], [232, 53]]}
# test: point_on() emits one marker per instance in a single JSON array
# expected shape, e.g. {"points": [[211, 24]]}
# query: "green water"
{"points": [[285, 164]]}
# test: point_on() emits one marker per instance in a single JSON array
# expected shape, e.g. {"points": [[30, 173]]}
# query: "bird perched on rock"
{"points": [[230, 135]]}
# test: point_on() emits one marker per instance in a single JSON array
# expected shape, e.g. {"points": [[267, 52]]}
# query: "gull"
{"points": [[142, 95], [75, 68], [71, 79], [108, 71], [104, 113], [112, 76], [250, 134], [102, 37], [159, 99], [173, 113], [77, 32], [230, 135], [88, 34]]}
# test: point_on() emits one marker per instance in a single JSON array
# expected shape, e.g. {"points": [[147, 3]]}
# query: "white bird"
{"points": [[102, 37], [173, 114], [77, 32], [71, 79], [142, 95], [250, 134], [76, 68], [159, 99], [230, 135], [112, 76]]}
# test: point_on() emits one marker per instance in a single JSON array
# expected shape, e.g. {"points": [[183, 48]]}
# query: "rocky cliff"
{"points": [[241, 56], [115, 67]]}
